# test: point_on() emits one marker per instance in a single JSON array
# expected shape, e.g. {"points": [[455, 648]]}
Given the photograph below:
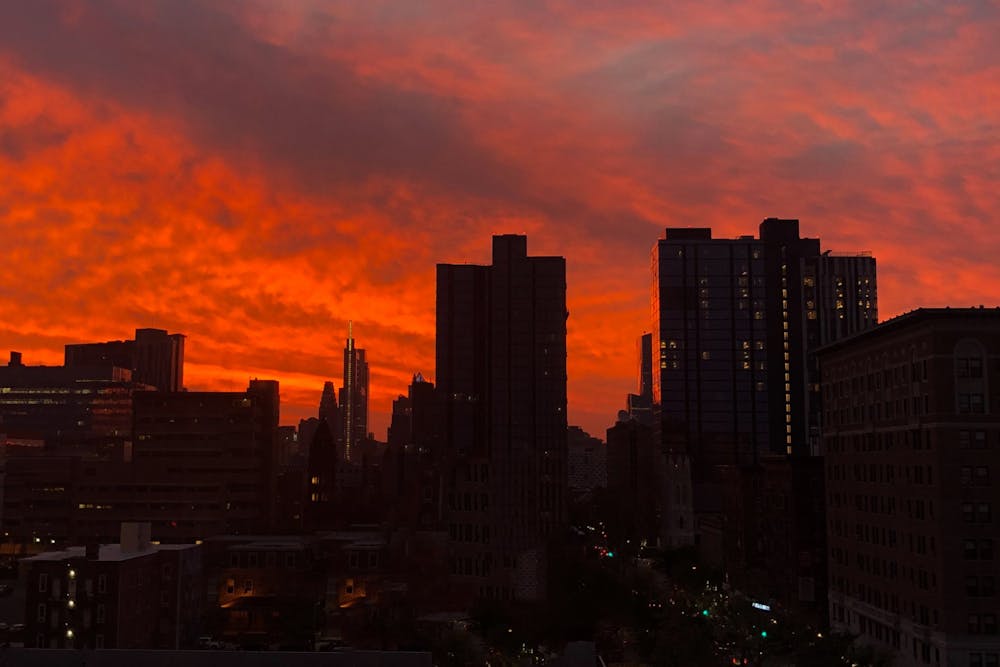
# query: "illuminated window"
{"points": [[706, 355], [315, 479]]}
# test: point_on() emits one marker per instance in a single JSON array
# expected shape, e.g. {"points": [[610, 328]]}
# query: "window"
{"points": [[234, 560], [290, 560], [969, 550], [99, 641], [41, 613], [983, 513], [230, 586], [248, 586], [102, 583], [989, 624], [981, 476], [968, 513], [986, 549], [100, 613], [43, 582]]}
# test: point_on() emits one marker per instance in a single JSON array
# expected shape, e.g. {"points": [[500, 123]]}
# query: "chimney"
{"points": [[135, 537], [15, 359]]}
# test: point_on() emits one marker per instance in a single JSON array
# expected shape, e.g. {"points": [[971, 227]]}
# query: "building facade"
{"points": [[736, 323], [129, 595], [155, 357], [501, 363], [911, 415]]}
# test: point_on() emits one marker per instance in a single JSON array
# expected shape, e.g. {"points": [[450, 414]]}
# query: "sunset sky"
{"points": [[254, 174]]}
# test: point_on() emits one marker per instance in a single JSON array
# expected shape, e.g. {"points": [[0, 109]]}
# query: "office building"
{"points": [[155, 357], [354, 396], [911, 429], [129, 595], [501, 364]]}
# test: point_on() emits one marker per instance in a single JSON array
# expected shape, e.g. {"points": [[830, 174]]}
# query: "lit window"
{"points": [[706, 355], [315, 479]]}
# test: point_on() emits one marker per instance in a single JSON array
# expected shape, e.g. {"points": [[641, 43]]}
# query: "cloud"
{"points": [[255, 174]]}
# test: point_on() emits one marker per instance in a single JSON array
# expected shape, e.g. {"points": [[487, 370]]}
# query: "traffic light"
{"points": [[704, 612], [763, 633]]}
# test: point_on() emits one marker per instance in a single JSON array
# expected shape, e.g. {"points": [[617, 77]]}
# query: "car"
{"points": [[6, 589]]}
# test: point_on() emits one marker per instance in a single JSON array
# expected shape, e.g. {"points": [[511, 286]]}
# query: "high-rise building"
{"points": [[640, 406], [736, 323], [501, 363], [155, 357], [354, 395], [911, 429]]}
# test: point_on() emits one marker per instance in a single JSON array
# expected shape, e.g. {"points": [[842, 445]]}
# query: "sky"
{"points": [[254, 174]]}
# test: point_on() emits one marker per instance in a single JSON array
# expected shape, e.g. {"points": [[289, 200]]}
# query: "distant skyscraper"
{"points": [[736, 325], [640, 406], [354, 395], [501, 363], [155, 357]]}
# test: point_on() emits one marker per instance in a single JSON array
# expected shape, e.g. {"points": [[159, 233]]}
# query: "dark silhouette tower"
{"points": [[354, 395], [501, 364]]}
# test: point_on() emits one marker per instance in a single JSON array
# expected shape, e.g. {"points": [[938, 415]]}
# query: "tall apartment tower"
{"points": [[911, 428], [354, 395], [501, 363], [736, 323]]}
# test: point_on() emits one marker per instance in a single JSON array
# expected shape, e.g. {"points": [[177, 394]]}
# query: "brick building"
{"points": [[911, 413]]}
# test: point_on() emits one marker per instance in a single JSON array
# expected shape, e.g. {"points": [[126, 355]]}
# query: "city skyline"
{"points": [[147, 182]]}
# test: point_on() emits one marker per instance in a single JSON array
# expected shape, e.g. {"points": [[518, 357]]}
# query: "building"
{"points": [[586, 462], [640, 406], [736, 323], [501, 364], [208, 458], [264, 590], [911, 430], [354, 396], [197, 464], [66, 405], [635, 482], [320, 505], [155, 357], [129, 595]]}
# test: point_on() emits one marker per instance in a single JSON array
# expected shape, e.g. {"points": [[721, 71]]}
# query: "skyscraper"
{"points": [[736, 323], [354, 395], [501, 363]]}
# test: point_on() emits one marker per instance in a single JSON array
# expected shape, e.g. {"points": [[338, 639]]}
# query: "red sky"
{"points": [[254, 174]]}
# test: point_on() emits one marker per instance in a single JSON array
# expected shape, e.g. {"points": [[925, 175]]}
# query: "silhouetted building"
{"points": [[635, 482], [736, 325], [911, 430], [354, 396], [66, 405], [155, 357], [640, 406], [586, 462], [501, 363], [321, 486], [133, 594]]}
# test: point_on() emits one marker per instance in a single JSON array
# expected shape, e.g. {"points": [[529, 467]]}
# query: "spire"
{"points": [[350, 334]]}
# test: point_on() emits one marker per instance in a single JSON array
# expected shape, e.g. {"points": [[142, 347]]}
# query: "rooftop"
{"points": [[914, 317]]}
